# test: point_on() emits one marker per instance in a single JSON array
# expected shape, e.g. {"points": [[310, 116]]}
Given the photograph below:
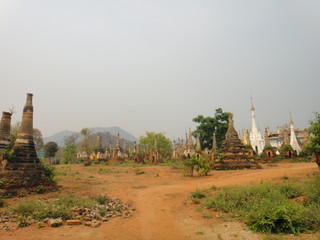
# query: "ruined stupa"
{"points": [[233, 154], [22, 170]]}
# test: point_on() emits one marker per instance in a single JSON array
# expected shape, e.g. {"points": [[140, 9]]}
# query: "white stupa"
{"points": [[256, 140], [293, 138]]}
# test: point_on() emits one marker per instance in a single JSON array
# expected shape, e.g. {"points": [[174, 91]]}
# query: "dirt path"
{"points": [[161, 197]]}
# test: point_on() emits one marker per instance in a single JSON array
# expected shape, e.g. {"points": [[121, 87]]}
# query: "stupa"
{"points": [[233, 154]]}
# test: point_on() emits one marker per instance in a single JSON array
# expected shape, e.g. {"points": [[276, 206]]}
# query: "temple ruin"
{"points": [[22, 169], [233, 154]]}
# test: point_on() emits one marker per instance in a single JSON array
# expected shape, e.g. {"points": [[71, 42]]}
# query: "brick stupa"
{"points": [[22, 170], [233, 154]]}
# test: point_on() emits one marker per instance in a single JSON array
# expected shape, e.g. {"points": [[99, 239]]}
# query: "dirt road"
{"points": [[161, 197]]}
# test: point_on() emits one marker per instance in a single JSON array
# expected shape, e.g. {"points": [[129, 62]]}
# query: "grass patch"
{"points": [[199, 194], [267, 207], [55, 208], [139, 171], [173, 164]]}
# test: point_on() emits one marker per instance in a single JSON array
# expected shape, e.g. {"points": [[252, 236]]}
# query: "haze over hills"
{"points": [[59, 137]]}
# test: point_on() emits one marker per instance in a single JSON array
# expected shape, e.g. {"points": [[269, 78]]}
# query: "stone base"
{"points": [[27, 178], [230, 165]]}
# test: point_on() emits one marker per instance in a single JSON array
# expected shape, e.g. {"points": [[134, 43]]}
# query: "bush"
{"points": [[1, 203], [271, 216], [200, 164], [198, 194], [49, 171], [269, 208], [101, 199]]}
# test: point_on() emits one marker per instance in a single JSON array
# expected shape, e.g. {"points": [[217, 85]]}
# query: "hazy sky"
{"points": [[155, 65]]}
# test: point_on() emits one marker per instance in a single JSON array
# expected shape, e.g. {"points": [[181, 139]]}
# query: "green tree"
{"points": [[209, 125], [70, 153], [164, 144], [314, 145], [50, 149]]}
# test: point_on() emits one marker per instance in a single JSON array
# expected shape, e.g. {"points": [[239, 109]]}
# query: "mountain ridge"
{"points": [[59, 136]]}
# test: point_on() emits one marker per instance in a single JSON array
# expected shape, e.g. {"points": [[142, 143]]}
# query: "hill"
{"points": [[59, 137]]}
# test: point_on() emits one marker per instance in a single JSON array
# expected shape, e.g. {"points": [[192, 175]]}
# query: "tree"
{"points": [[71, 138], [314, 145], [38, 139], [209, 125], [50, 149], [85, 132], [69, 153], [164, 144]]}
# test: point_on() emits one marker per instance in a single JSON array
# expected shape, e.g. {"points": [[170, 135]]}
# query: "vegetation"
{"points": [[270, 208], [55, 208], [314, 145], [209, 125], [198, 163], [50, 149], [164, 144], [139, 171], [70, 153]]}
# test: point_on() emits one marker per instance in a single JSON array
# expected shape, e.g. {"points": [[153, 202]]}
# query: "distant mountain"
{"points": [[59, 137]]}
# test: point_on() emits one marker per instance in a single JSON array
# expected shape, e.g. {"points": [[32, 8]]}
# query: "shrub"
{"points": [[198, 194], [49, 171], [101, 199], [270, 216], [269, 208]]}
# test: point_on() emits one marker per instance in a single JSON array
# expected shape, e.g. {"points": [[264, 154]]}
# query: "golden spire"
{"points": [[252, 107], [291, 122]]}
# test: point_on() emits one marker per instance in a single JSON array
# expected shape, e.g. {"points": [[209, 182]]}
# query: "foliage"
{"points": [[200, 164], [200, 193], [139, 171], [85, 132], [269, 207], [164, 144], [101, 199], [1, 203], [49, 171], [50, 149], [70, 153], [314, 145], [55, 208], [209, 125]]}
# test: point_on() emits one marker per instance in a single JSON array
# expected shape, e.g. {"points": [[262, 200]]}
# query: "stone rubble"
{"points": [[91, 217]]}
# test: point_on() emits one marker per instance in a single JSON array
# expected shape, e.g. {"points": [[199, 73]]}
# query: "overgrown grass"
{"points": [[173, 164], [55, 208], [270, 208], [139, 171]]}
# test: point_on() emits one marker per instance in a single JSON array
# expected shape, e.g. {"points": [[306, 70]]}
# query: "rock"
{"points": [[95, 223], [87, 224], [74, 222], [104, 219], [55, 222]]}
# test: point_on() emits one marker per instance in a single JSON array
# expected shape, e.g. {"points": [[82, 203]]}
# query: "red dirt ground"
{"points": [[161, 197]]}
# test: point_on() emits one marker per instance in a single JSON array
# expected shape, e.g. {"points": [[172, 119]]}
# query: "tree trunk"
{"points": [[317, 155]]}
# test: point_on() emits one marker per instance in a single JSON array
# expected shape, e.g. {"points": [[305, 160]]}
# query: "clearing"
{"points": [[161, 196]]}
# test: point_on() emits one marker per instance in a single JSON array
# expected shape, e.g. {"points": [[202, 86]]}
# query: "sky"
{"points": [[148, 65]]}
